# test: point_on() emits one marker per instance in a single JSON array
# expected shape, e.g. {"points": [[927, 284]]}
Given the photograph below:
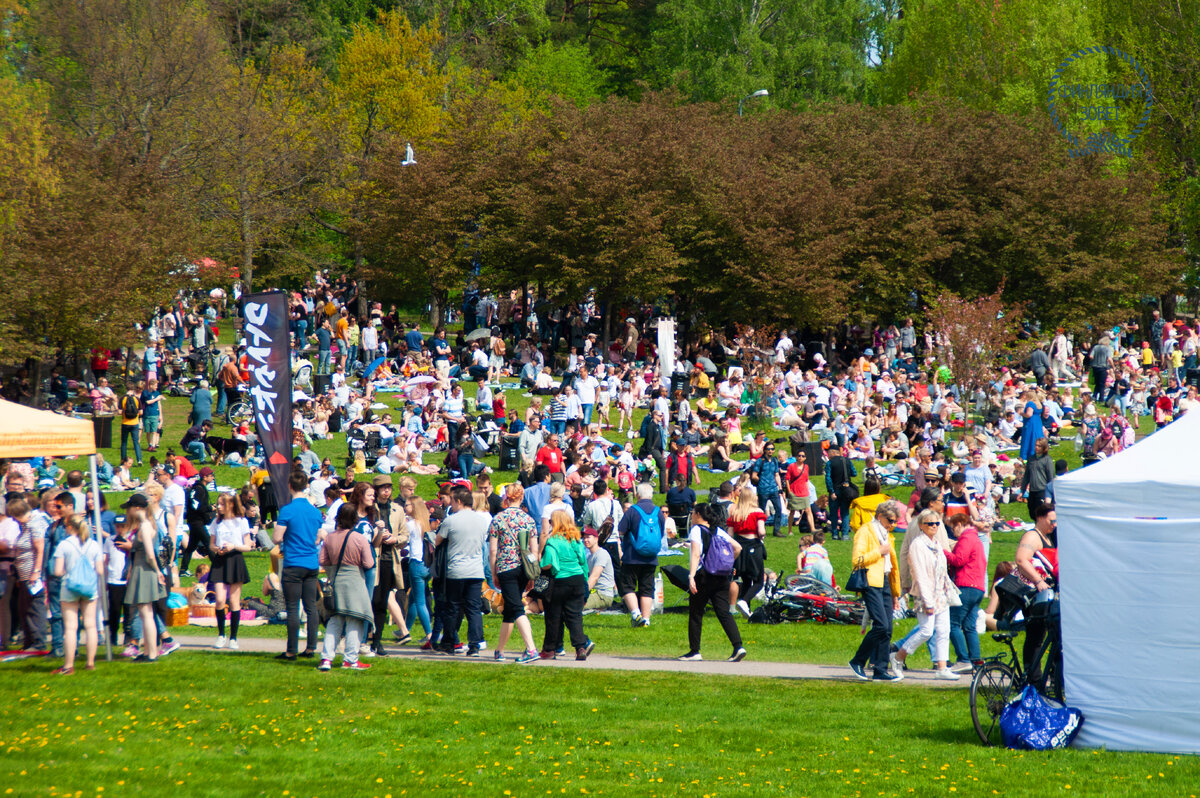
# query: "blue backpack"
{"points": [[81, 579], [717, 557], [647, 535]]}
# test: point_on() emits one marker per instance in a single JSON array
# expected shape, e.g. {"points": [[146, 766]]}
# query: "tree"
{"points": [[423, 223], [389, 90], [274, 146], [997, 56], [27, 172], [975, 334], [140, 73], [802, 52], [94, 258]]}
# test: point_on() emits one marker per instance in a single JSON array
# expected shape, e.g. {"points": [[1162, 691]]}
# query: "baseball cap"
{"points": [[381, 481], [206, 472], [589, 532]]}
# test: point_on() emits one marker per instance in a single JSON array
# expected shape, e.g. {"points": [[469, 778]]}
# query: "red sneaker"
{"points": [[356, 666], [427, 646]]}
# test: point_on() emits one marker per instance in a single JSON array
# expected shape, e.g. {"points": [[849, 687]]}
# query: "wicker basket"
{"points": [[203, 611], [177, 616]]}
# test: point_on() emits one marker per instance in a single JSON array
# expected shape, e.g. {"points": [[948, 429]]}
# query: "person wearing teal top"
{"points": [[566, 557]]}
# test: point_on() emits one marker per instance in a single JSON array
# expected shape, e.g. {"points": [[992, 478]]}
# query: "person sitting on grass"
{"points": [[813, 559]]}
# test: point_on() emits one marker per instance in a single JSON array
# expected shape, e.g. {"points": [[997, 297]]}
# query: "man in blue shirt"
{"points": [[296, 533], [441, 353], [324, 346], [537, 495], [414, 339]]}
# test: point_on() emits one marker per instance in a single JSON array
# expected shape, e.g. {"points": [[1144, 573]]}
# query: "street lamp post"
{"points": [[759, 93]]}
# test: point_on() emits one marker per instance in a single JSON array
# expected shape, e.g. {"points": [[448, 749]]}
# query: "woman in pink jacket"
{"points": [[968, 570]]}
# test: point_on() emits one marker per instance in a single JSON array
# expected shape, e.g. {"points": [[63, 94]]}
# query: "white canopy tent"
{"points": [[1129, 554], [28, 432]]}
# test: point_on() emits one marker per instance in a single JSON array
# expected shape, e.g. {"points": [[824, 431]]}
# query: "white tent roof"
{"points": [[1129, 553]]}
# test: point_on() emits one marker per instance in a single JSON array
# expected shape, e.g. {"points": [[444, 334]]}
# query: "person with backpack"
{"points": [[640, 530], [131, 423], [713, 553], [198, 514], [79, 562]]}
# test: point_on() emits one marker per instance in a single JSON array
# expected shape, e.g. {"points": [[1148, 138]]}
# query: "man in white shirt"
{"points": [[173, 503], [783, 348], [464, 532], [586, 387], [483, 397], [369, 340]]}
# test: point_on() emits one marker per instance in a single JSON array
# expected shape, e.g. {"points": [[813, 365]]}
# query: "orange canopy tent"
{"points": [[27, 432]]}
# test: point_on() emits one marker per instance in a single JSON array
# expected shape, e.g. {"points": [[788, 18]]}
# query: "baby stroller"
{"points": [[369, 444]]}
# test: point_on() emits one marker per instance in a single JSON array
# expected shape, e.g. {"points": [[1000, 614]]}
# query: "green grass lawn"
{"points": [[221, 724]]}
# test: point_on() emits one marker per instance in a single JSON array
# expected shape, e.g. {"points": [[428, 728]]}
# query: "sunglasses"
{"points": [[930, 523]]}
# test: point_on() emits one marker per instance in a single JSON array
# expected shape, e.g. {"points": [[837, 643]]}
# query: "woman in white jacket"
{"points": [[931, 590]]}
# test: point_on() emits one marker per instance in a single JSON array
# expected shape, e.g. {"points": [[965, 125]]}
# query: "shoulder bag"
{"points": [[328, 595]]}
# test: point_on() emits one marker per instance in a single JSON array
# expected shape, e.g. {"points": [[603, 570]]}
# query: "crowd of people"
{"points": [[577, 528]]}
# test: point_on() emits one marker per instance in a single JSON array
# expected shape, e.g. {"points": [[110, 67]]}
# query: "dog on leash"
{"points": [[220, 447]]}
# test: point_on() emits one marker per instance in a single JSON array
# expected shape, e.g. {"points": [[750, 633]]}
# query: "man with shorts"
{"points": [[796, 481], [636, 584]]}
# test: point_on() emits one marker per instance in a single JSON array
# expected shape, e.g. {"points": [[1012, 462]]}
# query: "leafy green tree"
{"points": [[801, 52], [991, 56], [563, 70]]}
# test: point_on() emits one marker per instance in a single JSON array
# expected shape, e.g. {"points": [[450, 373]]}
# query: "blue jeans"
{"points": [[222, 402], [196, 449], [137, 625], [418, 578], [772, 505], [351, 357], [839, 516], [587, 414], [963, 636], [323, 361], [131, 431], [53, 592]]}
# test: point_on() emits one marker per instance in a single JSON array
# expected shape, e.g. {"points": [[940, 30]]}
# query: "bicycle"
{"points": [[240, 411], [1001, 679]]}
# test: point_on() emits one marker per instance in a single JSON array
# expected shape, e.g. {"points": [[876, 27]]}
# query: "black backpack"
{"points": [[129, 407]]}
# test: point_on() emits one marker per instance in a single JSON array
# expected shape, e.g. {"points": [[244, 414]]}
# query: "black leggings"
{"points": [[715, 590], [566, 607], [385, 583], [198, 541], [751, 569], [117, 610]]}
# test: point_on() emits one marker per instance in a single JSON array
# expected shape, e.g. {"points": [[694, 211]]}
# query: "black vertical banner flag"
{"points": [[265, 329]]}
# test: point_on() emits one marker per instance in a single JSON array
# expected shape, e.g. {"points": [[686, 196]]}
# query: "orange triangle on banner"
{"points": [[277, 459]]}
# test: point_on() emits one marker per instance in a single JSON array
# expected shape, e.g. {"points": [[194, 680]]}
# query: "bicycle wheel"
{"points": [[239, 412], [992, 688]]}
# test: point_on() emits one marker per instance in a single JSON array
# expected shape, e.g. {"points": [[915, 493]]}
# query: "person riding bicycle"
{"points": [[1035, 569]]}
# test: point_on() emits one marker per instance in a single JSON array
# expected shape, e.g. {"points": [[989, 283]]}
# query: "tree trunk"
{"points": [[247, 247], [37, 381], [607, 327], [1167, 301], [359, 268]]}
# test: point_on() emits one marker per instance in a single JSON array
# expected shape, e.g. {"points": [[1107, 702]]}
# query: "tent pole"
{"points": [[99, 530]]}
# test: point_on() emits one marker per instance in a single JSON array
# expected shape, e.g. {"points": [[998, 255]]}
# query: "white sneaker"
{"points": [[744, 608], [945, 674], [233, 646], [691, 656], [895, 666], [220, 642], [965, 666], [483, 645]]}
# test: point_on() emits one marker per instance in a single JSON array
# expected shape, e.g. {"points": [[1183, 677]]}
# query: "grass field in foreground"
{"points": [[211, 724]]}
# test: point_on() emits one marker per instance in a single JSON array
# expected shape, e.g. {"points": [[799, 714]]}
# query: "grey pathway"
{"points": [[601, 661]]}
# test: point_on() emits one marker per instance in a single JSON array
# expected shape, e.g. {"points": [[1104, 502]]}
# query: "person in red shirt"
{"points": [[100, 362], [796, 480], [967, 562], [552, 457]]}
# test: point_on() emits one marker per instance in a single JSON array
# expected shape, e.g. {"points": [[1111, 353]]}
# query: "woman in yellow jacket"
{"points": [[875, 551], [862, 509]]}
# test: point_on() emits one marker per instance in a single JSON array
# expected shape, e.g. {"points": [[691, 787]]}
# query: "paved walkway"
{"points": [[600, 661]]}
